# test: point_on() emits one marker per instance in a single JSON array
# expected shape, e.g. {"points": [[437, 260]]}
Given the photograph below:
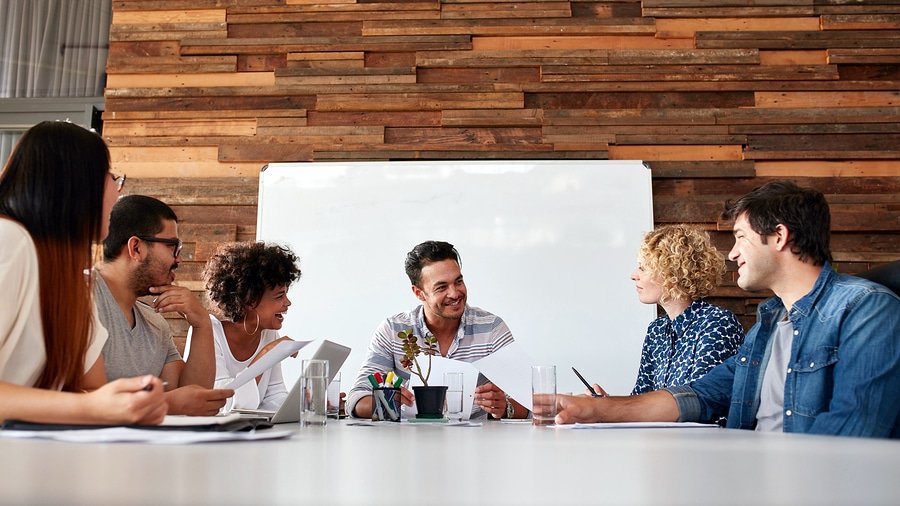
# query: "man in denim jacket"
{"points": [[824, 354]]}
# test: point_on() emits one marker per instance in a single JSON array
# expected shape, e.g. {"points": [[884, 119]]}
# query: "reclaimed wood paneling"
{"points": [[717, 96]]}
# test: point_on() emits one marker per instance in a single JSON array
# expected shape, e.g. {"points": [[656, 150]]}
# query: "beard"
{"points": [[146, 276]]}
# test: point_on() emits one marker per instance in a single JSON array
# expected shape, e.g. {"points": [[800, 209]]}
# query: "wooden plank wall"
{"points": [[718, 96]]}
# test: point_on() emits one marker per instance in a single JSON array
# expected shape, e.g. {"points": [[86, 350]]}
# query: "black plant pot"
{"points": [[430, 401]]}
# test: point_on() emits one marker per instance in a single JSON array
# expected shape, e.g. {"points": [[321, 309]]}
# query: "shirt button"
{"points": [[796, 332], [789, 370], [743, 359], [788, 413], [812, 364]]}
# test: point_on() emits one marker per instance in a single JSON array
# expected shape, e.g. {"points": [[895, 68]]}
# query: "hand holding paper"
{"points": [[281, 351], [510, 369]]}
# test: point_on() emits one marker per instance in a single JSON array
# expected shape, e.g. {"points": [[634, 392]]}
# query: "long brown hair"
{"points": [[53, 185]]}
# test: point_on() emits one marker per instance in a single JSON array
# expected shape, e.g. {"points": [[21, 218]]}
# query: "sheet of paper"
{"points": [[130, 435], [462, 423], [510, 369], [280, 352], [439, 366], [640, 425], [187, 421]]}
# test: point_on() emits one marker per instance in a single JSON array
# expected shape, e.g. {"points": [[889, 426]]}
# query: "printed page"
{"points": [[280, 352], [130, 435], [640, 425], [510, 369]]}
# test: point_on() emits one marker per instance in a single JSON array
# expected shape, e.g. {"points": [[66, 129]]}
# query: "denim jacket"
{"points": [[843, 376]]}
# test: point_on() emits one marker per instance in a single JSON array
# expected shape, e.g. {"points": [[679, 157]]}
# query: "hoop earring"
{"points": [[244, 324]]}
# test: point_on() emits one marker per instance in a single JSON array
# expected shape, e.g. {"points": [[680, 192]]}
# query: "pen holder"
{"points": [[386, 405]]}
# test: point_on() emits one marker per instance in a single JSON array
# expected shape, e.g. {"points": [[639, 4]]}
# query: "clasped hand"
{"points": [[491, 399]]}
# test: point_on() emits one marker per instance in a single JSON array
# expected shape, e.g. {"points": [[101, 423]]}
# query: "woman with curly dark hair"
{"points": [[248, 282]]}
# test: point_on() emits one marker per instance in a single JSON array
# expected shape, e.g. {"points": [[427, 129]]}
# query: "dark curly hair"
{"points": [[238, 274]]}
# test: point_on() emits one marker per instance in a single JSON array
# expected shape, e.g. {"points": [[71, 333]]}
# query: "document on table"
{"points": [[411, 423], [510, 369], [640, 425], [280, 352], [194, 421], [132, 435], [175, 429]]}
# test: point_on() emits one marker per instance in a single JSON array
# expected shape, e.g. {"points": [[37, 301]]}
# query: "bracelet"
{"points": [[510, 410]]}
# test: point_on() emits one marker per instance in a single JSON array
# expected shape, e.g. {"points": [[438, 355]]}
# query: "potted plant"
{"points": [[429, 399]]}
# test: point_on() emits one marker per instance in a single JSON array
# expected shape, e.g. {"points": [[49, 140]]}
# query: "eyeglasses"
{"points": [[164, 240], [119, 180]]}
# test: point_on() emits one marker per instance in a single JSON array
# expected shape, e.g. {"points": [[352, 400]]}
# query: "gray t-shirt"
{"points": [[770, 416], [130, 352]]}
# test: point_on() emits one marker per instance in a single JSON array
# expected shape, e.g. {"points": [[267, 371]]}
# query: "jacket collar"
{"points": [[805, 304]]}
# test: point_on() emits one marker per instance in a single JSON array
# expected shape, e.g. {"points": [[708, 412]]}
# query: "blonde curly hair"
{"points": [[682, 259]]}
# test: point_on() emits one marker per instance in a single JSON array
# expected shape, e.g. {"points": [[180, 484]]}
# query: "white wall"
{"points": [[547, 245]]}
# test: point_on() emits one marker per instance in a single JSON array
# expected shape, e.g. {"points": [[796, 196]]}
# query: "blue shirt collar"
{"points": [[804, 305], [687, 317]]}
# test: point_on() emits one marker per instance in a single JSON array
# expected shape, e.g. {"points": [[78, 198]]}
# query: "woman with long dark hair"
{"points": [[56, 193]]}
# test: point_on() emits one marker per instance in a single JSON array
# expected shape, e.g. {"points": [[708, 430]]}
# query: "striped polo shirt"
{"points": [[480, 333]]}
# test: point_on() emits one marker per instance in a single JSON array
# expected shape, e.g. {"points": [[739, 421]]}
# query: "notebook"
{"points": [[220, 423], [289, 411]]}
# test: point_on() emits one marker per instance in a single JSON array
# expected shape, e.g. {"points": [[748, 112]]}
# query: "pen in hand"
{"points": [[589, 387], [149, 386]]}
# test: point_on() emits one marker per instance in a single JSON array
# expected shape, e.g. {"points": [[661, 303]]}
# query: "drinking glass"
{"points": [[314, 393], [543, 393], [334, 397], [454, 382]]}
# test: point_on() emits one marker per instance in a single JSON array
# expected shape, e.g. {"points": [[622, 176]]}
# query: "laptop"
{"points": [[289, 411]]}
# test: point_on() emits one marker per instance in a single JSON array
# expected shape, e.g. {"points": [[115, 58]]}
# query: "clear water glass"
{"points": [[314, 393], [454, 382]]}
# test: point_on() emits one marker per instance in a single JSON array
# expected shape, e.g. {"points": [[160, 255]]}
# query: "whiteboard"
{"points": [[547, 245]]}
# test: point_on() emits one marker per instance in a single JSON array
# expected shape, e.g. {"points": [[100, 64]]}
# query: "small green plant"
{"points": [[411, 350]]}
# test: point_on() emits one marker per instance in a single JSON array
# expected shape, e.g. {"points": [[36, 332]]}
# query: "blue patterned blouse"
{"points": [[679, 351]]}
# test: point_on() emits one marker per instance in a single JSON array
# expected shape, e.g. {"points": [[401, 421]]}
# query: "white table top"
{"points": [[497, 463]]}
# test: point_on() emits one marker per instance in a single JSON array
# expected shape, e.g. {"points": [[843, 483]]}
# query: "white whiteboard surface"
{"points": [[547, 245]]}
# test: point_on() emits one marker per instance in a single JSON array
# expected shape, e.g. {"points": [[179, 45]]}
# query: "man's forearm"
{"points": [[200, 367], [658, 406]]}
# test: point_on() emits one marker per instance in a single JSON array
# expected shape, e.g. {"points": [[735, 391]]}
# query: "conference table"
{"points": [[495, 463]]}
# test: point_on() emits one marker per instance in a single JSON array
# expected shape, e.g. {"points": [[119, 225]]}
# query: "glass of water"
{"points": [[314, 393], [334, 397], [543, 390], [454, 382]]}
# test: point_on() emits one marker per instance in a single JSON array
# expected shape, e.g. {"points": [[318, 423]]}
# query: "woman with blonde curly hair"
{"points": [[677, 268]]}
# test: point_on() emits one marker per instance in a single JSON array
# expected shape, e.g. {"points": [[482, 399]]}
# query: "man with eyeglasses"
{"points": [[140, 256]]}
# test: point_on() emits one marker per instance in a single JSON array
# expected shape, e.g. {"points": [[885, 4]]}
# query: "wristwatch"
{"points": [[510, 411]]}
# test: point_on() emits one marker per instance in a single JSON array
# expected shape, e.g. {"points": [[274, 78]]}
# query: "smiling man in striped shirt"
{"points": [[463, 332]]}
